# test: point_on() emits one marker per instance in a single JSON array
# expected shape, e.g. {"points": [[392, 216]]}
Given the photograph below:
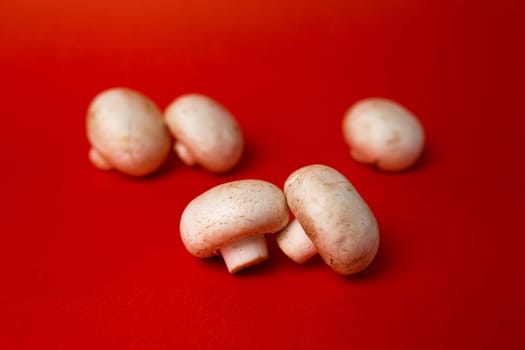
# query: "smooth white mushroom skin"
{"points": [[206, 133], [221, 219], [245, 252], [294, 242], [126, 131], [381, 132], [334, 216]]}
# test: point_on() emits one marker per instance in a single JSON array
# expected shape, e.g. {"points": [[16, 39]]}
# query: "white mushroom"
{"points": [[205, 132], [294, 242], [231, 219], [383, 133], [127, 132], [332, 216]]}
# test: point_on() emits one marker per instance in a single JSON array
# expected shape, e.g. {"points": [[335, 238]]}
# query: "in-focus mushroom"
{"points": [[294, 242], [205, 132], [381, 132], [332, 219], [232, 219], [127, 132]]}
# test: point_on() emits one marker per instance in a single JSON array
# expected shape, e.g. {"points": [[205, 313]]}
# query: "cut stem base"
{"points": [[244, 253]]}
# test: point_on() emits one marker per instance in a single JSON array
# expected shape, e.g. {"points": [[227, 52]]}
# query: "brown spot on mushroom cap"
{"points": [[229, 212], [334, 216], [127, 129], [208, 131]]}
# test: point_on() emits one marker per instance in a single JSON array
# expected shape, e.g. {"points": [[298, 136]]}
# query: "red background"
{"points": [[92, 259]]}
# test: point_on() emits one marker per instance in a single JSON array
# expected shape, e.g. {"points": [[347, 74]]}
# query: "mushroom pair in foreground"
{"points": [[128, 132], [232, 219]]}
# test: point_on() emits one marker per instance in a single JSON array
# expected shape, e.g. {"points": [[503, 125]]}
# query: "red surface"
{"points": [[92, 259]]}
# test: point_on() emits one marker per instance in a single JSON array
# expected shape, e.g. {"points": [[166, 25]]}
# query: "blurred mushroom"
{"points": [[127, 132], [205, 132], [383, 133]]}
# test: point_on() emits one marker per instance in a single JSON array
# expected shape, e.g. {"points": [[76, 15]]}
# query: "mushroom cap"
{"points": [[208, 131], [383, 132], [230, 212], [334, 216], [127, 129]]}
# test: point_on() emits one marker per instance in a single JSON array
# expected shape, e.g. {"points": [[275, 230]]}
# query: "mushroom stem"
{"points": [[360, 157], [244, 252], [98, 160], [294, 242], [184, 154]]}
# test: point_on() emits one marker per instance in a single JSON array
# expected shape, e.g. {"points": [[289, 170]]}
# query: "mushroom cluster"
{"points": [[331, 219], [129, 133]]}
